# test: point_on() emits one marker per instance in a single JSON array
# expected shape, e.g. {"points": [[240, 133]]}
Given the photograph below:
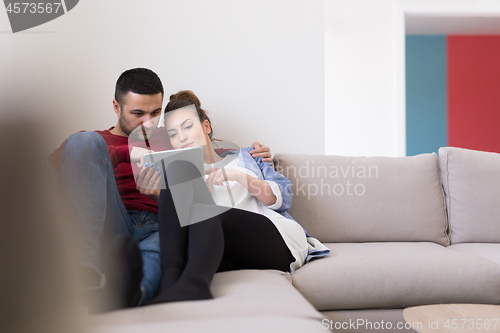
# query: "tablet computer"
{"points": [[164, 158]]}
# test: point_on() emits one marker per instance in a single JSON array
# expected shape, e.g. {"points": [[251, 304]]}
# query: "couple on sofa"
{"points": [[151, 258]]}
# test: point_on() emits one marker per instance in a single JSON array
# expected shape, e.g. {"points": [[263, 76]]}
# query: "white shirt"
{"points": [[233, 194]]}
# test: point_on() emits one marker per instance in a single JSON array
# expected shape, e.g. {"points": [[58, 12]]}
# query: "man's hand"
{"points": [[148, 182], [261, 151], [137, 155]]}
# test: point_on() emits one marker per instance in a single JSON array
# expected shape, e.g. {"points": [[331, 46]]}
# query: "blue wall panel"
{"points": [[426, 94]]}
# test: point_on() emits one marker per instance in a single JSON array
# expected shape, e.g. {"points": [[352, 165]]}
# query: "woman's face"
{"points": [[184, 128]]}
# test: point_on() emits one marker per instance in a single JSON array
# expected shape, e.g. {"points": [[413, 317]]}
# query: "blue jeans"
{"points": [[89, 184]]}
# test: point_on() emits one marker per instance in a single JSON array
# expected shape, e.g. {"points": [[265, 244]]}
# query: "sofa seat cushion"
{"points": [[243, 324], [368, 320], [484, 250], [393, 275], [236, 293]]}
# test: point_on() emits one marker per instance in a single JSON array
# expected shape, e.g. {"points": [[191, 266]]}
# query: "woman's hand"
{"points": [[218, 176], [137, 155], [148, 181], [257, 187]]}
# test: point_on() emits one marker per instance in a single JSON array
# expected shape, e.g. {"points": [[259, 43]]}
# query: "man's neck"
{"points": [[117, 131]]}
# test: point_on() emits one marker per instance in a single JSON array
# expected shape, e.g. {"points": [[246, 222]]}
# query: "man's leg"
{"points": [[128, 257], [90, 189], [123, 269], [87, 174], [146, 236]]}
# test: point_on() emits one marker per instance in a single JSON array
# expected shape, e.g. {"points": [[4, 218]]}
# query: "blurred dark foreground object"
{"points": [[38, 290]]}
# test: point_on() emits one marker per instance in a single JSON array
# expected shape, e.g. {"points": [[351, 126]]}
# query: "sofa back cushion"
{"points": [[471, 181], [367, 199]]}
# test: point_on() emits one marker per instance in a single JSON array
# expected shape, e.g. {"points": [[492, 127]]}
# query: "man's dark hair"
{"points": [[141, 81]]}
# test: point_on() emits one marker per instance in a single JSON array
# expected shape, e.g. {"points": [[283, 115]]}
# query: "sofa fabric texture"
{"points": [[236, 293], [487, 251], [241, 324], [396, 275], [471, 181], [366, 319], [367, 199]]}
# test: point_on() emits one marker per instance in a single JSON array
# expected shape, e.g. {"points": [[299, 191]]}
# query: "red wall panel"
{"points": [[474, 92]]}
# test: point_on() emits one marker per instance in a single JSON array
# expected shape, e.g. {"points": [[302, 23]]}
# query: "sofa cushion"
{"points": [[393, 275], [471, 181], [367, 199], [484, 250], [241, 324], [236, 293], [369, 320]]}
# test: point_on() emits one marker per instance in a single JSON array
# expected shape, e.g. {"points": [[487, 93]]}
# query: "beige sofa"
{"points": [[402, 231]]}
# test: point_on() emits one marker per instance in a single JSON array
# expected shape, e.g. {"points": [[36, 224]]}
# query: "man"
{"points": [[95, 169]]}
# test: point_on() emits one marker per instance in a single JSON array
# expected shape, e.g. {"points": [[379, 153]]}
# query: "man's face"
{"points": [[137, 110]]}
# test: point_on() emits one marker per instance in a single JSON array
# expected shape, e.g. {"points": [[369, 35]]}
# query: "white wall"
{"points": [[302, 76], [257, 65], [358, 110], [364, 70]]}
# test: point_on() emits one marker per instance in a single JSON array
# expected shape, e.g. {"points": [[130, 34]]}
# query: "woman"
{"points": [[248, 235]]}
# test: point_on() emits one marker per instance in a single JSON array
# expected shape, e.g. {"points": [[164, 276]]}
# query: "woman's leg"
{"points": [[190, 254], [251, 241], [236, 239], [173, 242]]}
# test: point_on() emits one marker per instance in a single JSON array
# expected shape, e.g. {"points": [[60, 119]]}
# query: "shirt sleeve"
{"points": [[282, 185], [277, 192], [119, 155]]}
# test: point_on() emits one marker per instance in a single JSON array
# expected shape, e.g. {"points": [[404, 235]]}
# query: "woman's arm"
{"points": [[282, 185], [257, 187]]}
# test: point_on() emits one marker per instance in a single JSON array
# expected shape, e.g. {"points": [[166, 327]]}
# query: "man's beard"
{"points": [[135, 133], [124, 125]]}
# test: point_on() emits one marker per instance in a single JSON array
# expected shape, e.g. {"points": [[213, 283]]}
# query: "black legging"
{"points": [[191, 255]]}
